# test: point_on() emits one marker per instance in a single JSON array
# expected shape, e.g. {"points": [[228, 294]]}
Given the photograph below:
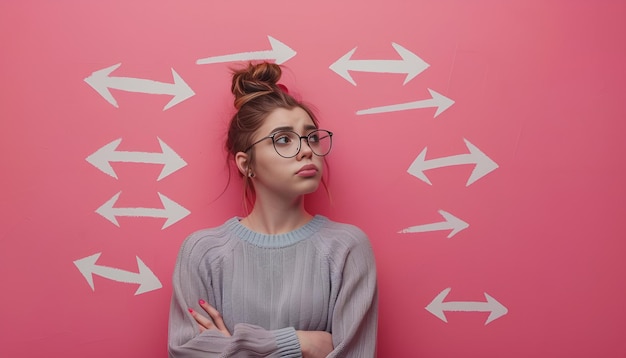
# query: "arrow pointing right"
{"points": [[280, 53], [145, 277], [437, 307], [439, 101], [451, 223]]}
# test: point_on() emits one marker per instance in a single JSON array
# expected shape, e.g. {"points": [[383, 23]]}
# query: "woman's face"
{"points": [[289, 177]]}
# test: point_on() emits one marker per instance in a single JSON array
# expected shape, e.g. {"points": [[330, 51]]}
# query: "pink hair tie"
{"points": [[283, 88]]}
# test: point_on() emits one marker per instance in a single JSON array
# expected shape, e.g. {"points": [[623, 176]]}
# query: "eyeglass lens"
{"points": [[287, 143]]}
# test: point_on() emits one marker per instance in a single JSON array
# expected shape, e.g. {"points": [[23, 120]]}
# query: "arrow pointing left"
{"points": [[146, 279], [102, 158], [437, 307], [451, 223], [172, 211], [101, 81]]}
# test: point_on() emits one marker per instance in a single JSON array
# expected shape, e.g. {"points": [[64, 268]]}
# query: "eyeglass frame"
{"points": [[300, 138]]}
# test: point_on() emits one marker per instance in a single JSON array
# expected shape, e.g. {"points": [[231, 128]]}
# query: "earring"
{"points": [[250, 174]]}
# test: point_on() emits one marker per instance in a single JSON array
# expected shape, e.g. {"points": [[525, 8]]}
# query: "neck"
{"points": [[276, 216]]}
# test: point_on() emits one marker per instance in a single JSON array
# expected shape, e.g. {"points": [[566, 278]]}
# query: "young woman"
{"points": [[279, 282]]}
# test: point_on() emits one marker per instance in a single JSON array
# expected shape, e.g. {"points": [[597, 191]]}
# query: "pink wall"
{"points": [[537, 87]]}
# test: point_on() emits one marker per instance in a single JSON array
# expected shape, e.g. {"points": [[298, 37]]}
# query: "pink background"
{"points": [[538, 87]]}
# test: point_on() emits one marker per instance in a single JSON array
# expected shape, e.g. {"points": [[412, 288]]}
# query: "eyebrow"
{"points": [[290, 128]]}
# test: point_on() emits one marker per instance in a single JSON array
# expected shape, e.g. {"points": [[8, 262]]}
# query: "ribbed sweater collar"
{"points": [[278, 240]]}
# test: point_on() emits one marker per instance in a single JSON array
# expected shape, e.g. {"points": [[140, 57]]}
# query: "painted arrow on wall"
{"points": [[438, 307], [483, 164], [280, 53], [101, 81], [437, 100], [450, 222], [410, 64], [103, 157], [145, 277], [172, 211]]}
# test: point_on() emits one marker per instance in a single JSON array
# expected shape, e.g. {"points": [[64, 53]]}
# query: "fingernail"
{"points": [[190, 310], [201, 302]]}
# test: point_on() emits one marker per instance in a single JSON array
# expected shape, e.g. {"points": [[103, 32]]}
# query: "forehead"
{"points": [[296, 118]]}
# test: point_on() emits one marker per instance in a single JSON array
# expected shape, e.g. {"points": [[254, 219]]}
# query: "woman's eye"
{"points": [[282, 139], [314, 138]]}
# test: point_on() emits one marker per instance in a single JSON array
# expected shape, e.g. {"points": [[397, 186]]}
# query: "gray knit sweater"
{"points": [[319, 277]]}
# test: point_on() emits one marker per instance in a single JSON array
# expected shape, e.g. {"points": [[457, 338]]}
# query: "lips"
{"points": [[307, 170]]}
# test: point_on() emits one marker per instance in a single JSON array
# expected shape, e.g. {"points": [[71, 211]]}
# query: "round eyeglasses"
{"points": [[288, 143]]}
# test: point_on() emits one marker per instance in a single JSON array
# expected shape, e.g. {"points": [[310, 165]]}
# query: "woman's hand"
{"points": [[215, 322], [315, 344]]}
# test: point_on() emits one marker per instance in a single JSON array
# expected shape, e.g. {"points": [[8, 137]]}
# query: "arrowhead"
{"points": [[172, 161], [147, 279], [99, 81], [341, 66], [497, 309], [441, 102], [456, 224], [418, 166], [107, 211], [100, 159], [173, 211], [413, 63], [182, 91], [282, 52], [484, 164], [436, 306], [86, 265]]}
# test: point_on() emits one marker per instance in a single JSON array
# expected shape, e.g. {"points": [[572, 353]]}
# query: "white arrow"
{"points": [[410, 64], [280, 53], [451, 223], [145, 278], [484, 165], [102, 82], [437, 100], [103, 157], [437, 307], [171, 210]]}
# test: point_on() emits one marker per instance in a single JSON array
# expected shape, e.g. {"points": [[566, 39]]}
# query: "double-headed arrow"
{"points": [[450, 222], [410, 64], [103, 157], [145, 277], [484, 164], [172, 211], [437, 100], [438, 307], [280, 53], [102, 82]]}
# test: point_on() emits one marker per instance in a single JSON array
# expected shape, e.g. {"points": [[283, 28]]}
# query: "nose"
{"points": [[305, 150]]}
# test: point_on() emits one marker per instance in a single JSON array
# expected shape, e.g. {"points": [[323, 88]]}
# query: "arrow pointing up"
{"points": [[280, 53], [172, 211], [437, 307], [451, 223], [145, 277], [102, 82], [102, 158], [437, 100], [484, 164], [410, 64]]}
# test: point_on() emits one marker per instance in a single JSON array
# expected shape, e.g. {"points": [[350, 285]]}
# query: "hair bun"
{"points": [[255, 80]]}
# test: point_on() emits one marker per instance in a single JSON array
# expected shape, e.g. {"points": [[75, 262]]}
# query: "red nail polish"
{"points": [[190, 310], [201, 302]]}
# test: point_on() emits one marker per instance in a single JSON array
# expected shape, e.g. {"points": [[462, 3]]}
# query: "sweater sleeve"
{"points": [[355, 316], [184, 337]]}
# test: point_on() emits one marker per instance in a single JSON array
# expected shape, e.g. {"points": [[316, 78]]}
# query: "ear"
{"points": [[243, 163]]}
